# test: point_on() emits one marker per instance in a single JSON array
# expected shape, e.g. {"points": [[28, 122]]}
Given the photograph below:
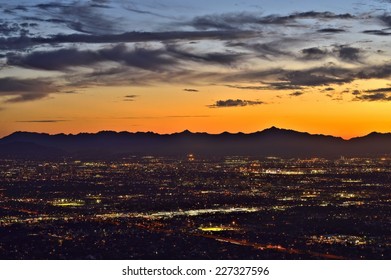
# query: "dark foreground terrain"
{"points": [[196, 208]]}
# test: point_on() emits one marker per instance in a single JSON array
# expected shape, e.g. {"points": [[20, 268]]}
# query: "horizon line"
{"points": [[197, 132]]}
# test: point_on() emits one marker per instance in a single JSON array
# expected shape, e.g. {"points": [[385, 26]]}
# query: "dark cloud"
{"points": [[25, 96], [19, 90], [272, 79], [282, 86], [144, 58], [329, 89], [331, 30], [285, 79], [16, 43], [53, 60], [7, 28], [132, 7], [252, 76], [28, 24], [223, 21], [131, 97], [306, 78], [130, 76], [379, 90], [345, 53], [377, 32], [386, 18], [153, 60], [349, 54], [356, 92], [51, 5], [248, 87], [281, 79], [189, 116], [296, 93], [100, 6], [213, 57], [322, 76], [273, 49], [107, 73], [23, 42], [234, 103], [166, 117], [373, 97], [21, 8], [375, 72], [82, 16], [322, 15], [231, 21], [276, 19], [130, 37], [146, 12], [100, 3], [42, 121], [314, 53], [63, 59], [172, 59]]}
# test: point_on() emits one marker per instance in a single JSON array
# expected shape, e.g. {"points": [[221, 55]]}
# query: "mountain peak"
{"points": [[275, 129]]}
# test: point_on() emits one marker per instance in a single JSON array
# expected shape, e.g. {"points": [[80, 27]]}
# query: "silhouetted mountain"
{"points": [[28, 150], [269, 142]]}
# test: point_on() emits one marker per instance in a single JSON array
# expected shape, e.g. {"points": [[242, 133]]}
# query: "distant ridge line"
{"points": [[197, 132], [272, 141]]}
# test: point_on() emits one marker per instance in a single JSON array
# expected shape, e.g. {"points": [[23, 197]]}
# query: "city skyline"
{"points": [[236, 66]]}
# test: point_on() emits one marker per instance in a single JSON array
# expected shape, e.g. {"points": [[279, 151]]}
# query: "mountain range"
{"points": [[269, 142]]}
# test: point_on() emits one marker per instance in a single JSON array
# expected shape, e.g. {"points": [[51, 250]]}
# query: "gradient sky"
{"points": [[166, 66]]}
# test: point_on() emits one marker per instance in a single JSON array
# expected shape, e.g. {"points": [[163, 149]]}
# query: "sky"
{"points": [[322, 67]]}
